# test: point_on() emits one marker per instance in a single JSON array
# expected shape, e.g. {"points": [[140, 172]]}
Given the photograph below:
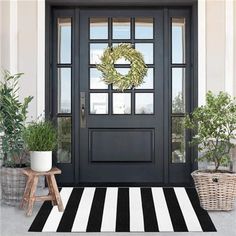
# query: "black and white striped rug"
{"points": [[124, 210]]}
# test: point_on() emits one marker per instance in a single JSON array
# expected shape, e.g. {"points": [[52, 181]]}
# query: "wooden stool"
{"points": [[29, 194]]}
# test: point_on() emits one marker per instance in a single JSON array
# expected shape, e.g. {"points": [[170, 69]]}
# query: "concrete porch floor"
{"points": [[13, 222]]}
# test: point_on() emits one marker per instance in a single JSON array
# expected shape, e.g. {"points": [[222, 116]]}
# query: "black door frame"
{"points": [[191, 4]]}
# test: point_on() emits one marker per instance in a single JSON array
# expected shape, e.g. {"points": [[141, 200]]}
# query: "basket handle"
{"points": [[215, 179]]}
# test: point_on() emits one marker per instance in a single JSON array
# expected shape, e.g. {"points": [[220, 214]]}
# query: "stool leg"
{"points": [[51, 190], [56, 193], [32, 196], [26, 192]]}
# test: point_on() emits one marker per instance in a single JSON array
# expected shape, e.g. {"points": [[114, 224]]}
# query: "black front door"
{"points": [[129, 137], [122, 138]]}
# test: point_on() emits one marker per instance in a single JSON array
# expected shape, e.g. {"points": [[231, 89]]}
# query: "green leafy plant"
{"points": [[214, 125], [40, 136], [12, 119]]}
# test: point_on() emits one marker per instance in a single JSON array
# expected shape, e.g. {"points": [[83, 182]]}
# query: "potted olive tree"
{"points": [[214, 126], [12, 121], [41, 139]]}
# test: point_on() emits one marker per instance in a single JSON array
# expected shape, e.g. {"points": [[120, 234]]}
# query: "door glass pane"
{"points": [[178, 40], [178, 90], [64, 140], [147, 51], [121, 28], [148, 80], [98, 28], [96, 79], [122, 59], [64, 40], [98, 103], [178, 140], [64, 90], [96, 51], [121, 103], [143, 28], [123, 71], [144, 103]]}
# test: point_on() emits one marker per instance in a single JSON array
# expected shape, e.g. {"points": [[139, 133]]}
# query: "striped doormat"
{"points": [[124, 210]]}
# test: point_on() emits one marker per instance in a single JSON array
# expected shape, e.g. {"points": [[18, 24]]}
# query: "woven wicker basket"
{"points": [[216, 191], [13, 184]]}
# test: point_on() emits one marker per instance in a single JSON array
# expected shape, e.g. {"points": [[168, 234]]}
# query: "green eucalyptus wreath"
{"points": [[136, 74]]}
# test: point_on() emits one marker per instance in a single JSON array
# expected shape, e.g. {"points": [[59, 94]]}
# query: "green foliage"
{"points": [[64, 140], [178, 104], [110, 75], [40, 136], [214, 125], [12, 119]]}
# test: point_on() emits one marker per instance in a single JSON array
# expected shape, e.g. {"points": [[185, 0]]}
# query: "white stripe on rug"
{"points": [[109, 211], [54, 218], [82, 215], [136, 210], [162, 212], [189, 214]]}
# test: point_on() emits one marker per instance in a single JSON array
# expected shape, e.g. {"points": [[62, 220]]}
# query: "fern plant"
{"points": [[13, 114]]}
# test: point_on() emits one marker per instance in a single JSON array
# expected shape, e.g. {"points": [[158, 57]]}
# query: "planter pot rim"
{"points": [[41, 151], [210, 173]]}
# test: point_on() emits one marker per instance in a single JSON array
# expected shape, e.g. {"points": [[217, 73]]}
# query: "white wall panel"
{"points": [[27, 52], [201, 51], [229, 46], [5, 34], [215, 45], [234, 40]]}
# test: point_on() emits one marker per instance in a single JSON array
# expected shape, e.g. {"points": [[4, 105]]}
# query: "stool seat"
{"points": [[28, 171], [29, 196]]}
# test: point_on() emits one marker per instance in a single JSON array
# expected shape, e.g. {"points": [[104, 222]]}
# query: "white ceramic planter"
{"points": [[41, 161]]}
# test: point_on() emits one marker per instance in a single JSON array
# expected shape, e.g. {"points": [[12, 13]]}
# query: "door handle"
{"points": [[82, 110]]}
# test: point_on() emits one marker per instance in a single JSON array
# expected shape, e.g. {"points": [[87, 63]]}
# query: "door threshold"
{"points": [[94, 184]]}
